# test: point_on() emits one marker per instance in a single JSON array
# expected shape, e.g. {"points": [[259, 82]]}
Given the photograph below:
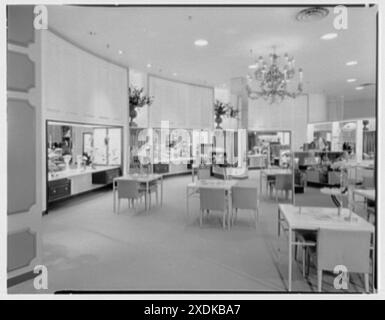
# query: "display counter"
{"points": [[67, 183], [257, 161]]}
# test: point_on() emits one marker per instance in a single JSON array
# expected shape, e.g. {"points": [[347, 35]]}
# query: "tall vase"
{"points": [[218, 121], [133, 114]]}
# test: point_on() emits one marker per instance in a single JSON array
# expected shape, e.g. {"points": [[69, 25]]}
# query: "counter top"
{"points": [[76, 172]]}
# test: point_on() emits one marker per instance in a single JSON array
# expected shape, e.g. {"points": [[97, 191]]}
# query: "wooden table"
{"points": [[141, 178], [194, 187], [314, 218], [272, 172]]}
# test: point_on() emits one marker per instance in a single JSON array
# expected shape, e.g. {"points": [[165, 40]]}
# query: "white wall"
{"points": [[318, 111], [328, 109], [78, 86], [291, 114], [183, 105], [360, 109]]}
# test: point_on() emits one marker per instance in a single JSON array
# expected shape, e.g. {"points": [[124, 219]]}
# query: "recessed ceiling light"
{"points": [[174, 74], [120, 52], [253, 66], [329, 36], [359, 88], [201, 42], [351, 63], [149, 65], [351, 80]]}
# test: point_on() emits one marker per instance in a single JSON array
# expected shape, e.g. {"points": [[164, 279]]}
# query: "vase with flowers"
{"points": [[137, 99], [222, 109]]}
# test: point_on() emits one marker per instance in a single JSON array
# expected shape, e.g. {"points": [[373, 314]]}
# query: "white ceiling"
{"points": [[164, 36]]}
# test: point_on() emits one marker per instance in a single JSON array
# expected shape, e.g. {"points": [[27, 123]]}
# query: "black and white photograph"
{"points": [[192, 149]]}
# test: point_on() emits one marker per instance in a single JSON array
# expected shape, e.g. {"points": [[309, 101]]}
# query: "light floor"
{"points": [[88, 247]]}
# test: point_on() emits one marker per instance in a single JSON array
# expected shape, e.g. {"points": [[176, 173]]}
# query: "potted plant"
{"points": [[137, 100], [223, 109], [220, 109]]}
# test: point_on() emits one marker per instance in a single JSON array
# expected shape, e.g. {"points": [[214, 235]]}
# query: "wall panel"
{"points": [[183, 105]]}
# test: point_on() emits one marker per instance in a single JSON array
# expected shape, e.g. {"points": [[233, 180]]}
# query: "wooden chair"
{"points": [[213, 199], [203, 173], [245, 197], [350, 249], [152, 188], [283, 182], [130, 190]]}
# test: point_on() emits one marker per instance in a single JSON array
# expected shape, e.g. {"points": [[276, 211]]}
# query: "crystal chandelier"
{"points": [[273, 81]]}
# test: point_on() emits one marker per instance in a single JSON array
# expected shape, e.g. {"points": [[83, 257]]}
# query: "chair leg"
{"points": [[149, 200], [258, 210], [256, 218], [201, 218], [224, 219], [319, 280], [303, 262], [367, 289]]}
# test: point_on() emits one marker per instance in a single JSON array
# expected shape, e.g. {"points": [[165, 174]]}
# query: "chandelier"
{"points": [[273, 81]]}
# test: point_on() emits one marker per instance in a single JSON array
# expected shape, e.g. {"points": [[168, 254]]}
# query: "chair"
{"points": [[245, 197], [270, 181], [283, 182], [128, 189], [343, 247], [213, 199], [203, 173], [368, 182], [152, 188]]}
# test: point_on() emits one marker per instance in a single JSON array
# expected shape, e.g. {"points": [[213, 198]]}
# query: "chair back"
{"points": [[212, 199], [128, 189], [203, 173], [283, 182], [343, 247], [245, 197], [368, 182]]}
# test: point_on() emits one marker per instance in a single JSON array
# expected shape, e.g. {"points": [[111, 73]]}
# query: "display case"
{"points": [[81, 158]]}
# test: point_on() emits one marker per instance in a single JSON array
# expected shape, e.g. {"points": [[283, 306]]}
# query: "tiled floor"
{"points": [[88, 247]]}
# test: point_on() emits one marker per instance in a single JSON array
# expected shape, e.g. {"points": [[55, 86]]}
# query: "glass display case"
{"points": [[100, 140], [82, 145]]}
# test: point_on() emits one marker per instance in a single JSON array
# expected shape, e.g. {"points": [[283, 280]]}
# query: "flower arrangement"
{"points": [[223, 109], [137, 100]]}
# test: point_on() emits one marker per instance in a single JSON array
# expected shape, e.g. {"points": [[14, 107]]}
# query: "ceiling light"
{"points": [[351, 63], [120, 52], [329, 36], [201, 42], [351, 80], [359, 88], [253, 66], [149, 65], [174, 74]]}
